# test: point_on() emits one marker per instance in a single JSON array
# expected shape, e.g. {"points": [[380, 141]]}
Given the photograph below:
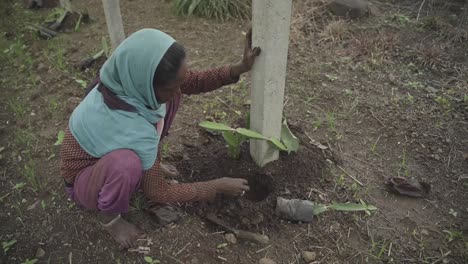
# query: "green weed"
{"points": [[165, 151], [410, 99], [401, 19], [374, 145], [150, 260], [24, 138], [331, 121], [379, 248], [317, 123], [139, 202], [443, 103], [414, 85], [29, 173], [219, 9], [54, 105], [19, 108], [29, 261], [453, 235], [7, 245], [404, 165]]}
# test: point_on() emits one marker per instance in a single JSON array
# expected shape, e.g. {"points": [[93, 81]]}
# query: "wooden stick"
{"points": [[351, 176]]}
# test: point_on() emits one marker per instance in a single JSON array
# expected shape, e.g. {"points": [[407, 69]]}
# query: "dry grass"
{"points": [[335, 31], [308, 17], [365, 45], [431, 56]]}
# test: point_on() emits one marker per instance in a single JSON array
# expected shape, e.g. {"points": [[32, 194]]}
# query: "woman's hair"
{"points": [[166, 71], [169, 65]]}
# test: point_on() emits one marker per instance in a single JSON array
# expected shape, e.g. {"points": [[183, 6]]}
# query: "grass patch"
{"points": [[215, 9]]}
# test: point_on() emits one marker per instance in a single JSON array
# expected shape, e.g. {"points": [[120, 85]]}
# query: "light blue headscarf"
{"points": [[129, 74]]}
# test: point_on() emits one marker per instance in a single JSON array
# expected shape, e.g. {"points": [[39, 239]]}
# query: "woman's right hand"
{"points": [[231, 186]]}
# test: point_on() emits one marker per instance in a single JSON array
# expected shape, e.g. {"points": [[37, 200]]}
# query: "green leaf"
{"points": [[193, 6], [7, 245], [250, 134], [287, 137], [60, 137], [319, 208], [215, 126], [81, 82], [234, 141], [352, 207], [222, 245], [149, 259], [278, 144]]}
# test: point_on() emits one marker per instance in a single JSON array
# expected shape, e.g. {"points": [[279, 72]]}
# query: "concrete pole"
{"points": [[270, 21], [114, 21]]}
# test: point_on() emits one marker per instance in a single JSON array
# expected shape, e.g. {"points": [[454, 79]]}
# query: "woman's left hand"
{"points": [[248, 60]]}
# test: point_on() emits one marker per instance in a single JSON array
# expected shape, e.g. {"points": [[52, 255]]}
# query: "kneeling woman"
{"points": [[111, 143]]}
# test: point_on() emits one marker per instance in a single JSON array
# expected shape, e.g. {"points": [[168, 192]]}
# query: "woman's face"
{"points": [[166, 92]]}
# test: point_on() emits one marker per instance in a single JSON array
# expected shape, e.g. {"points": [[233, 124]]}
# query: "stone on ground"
{"points": [[349, 8], [266, 261], [308, 256]]}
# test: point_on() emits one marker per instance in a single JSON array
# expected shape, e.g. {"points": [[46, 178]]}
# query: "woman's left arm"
{"points": [[209, 80]]}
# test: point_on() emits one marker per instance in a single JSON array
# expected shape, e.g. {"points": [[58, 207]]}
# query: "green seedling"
{"points": [[379, 248], [29, 261], [331, 119], [60, 137], [404, 165], [19, 186], [81, 82], [165, 150], [443, 102], [331, 78], [78, 23], [30, 175], [150, 260], [235, 137], [453, 235], [8, 245], [401, 19], [222, 245]]}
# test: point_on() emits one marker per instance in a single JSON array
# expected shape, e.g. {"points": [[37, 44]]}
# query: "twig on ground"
{"points": [[263, 249], [221, 258], [180, 251], [419, 11], [376, 118], [442, 257], [228, 106], [351, 176]]}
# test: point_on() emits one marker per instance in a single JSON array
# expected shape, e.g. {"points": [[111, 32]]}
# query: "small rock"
{"points": [[266, 261], [424, 232], [309, 256], [349, 8], [231, 238], [41, 67], [436, 157], [40, 253]]}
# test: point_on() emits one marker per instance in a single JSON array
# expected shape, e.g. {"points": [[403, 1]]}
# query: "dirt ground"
{"points": [[387, 94]]}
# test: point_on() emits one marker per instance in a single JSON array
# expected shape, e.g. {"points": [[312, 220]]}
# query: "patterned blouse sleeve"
{"points": [[159, 190], [205, 81]]}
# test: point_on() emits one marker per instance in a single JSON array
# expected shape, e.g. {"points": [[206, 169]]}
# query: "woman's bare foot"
{"points": [[123, 232], [169, 171]]}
